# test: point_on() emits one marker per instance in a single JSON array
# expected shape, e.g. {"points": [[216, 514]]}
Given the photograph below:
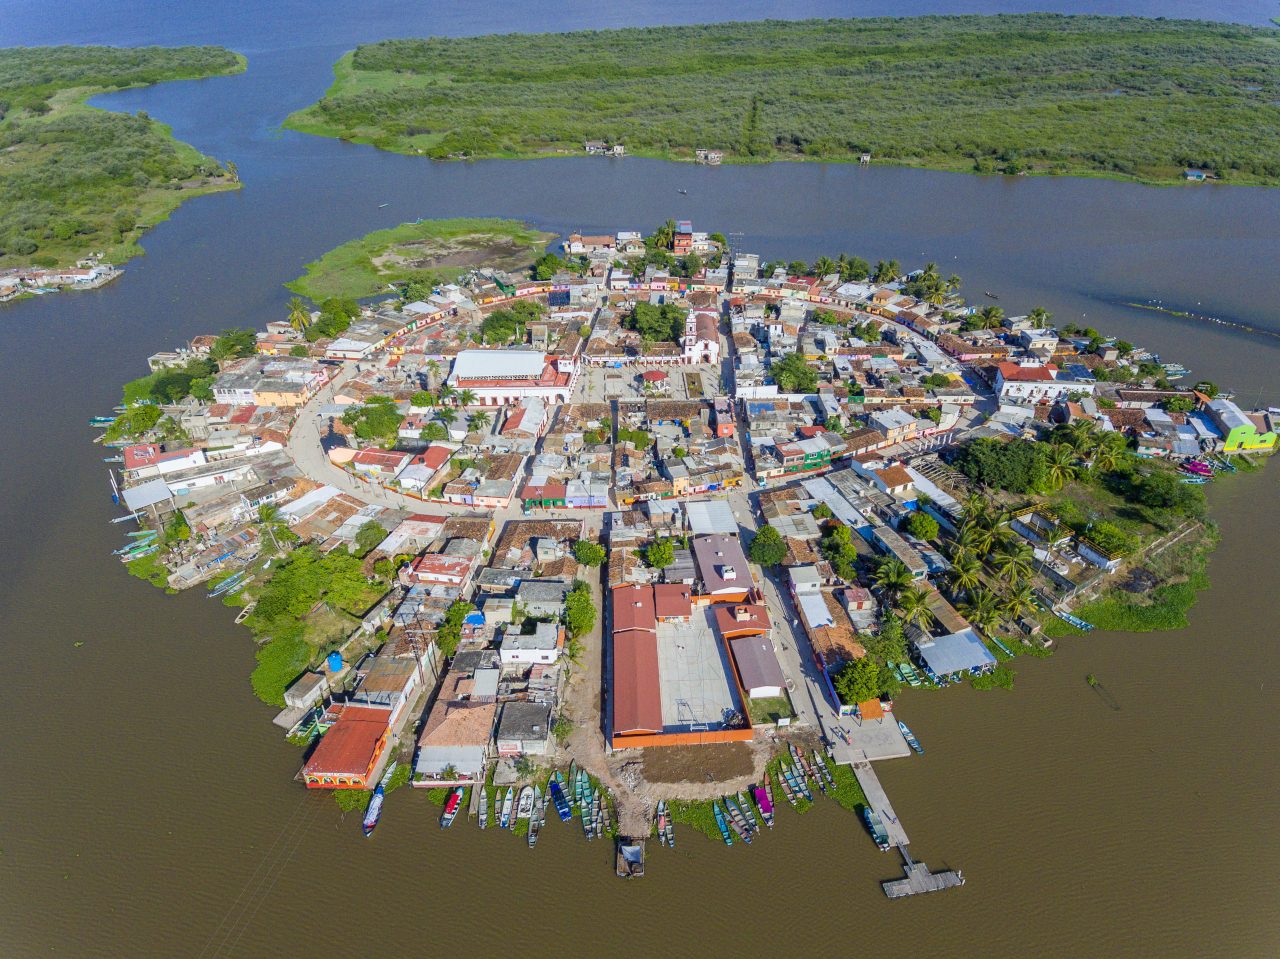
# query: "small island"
{"points": [[79, 185], [654, 532], [1158, 101]]}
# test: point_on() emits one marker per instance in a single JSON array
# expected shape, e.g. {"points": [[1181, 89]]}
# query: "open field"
{"points": [[1036, 93], [437, 249]]}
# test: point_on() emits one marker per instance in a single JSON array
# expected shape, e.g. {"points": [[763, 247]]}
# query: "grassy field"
{"points": [[1036, 93], [441, 249], [76, 180]]}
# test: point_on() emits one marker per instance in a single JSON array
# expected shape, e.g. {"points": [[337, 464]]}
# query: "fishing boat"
{"points": [[1007, 651], [662, 821], [785, 780], [584, 791], [484, 807], [876, 827], [909, 674], [587, 829], [113, 459], [535, 819], [100, 421], [737, 821], [802, 787], [1193, 480], [823, 769], [557, 797], [671, 829], [768, 788], [524, 804], [990, 294], [504, 817], [745, 805], [451, 807], [1075, 621], [382, 206], [724, 826], [596, 822], [893, 668], [374, 812], [604, 813], [1195, 468], [911, 739], [810, 773], [226, 584], [1174, 371], [766, 806]]}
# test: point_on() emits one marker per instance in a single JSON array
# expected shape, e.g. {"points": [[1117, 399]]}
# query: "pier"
{"points": [[879, 801], [920, 880]]}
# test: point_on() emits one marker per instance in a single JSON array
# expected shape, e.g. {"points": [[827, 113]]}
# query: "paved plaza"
{"points": [[696, 684]]}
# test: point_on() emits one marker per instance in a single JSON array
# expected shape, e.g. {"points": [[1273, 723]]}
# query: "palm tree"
{"points": [[1061, 465], [883, 272], [1015, 563], [478, 421], [465, 397], [222, 350], [930, 272], [975, 508], [299, 315], [823, 266], [965, 573], [1021, 599], [1040, 316], [447, 415], [968, 542], [913, 607], [433, 370], [953, 283], [981, 610], [938, 292], [445, 393], [666, 235], [893, 577], [269, 518], [992, 317]]}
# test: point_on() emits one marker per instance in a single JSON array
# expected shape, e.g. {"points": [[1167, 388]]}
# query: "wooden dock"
{"points": [[920, 880], [879, 801]]}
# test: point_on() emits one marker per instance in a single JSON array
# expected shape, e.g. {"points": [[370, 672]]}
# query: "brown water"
{"points": [[149, 799]]}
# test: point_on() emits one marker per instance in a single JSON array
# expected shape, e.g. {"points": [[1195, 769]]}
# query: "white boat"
{"points": [[504, 819], [524, 808], [484, 807]]}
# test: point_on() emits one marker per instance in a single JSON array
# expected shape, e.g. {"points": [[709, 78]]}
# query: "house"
{"points": [[347, 754], [743, 619], [146, 460], [544, 645], [890, 542], [635, 691], [524, 730], [440, 569], [391, 682], [955, 653], [1239, 430], [380, 464], [307, 691], [505, 377], [458, 736], [1027, 383], [757, 666], [417, 474], [894, 424], [723, 567], [542, 598], [894, 480], [804, 580], [673, 603]]}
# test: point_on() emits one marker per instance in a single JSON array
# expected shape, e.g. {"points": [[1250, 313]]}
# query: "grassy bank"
{"points": [[1035, 93], [430, 249], [76, 180]]}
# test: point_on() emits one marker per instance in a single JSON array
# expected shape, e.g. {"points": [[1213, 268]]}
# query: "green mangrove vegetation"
{"points": [[1027, 93], [76, 180], [412, 256]]}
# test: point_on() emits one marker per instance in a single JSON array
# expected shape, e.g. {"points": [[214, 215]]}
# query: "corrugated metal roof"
{"points": [[954, 653], [637, 702]]}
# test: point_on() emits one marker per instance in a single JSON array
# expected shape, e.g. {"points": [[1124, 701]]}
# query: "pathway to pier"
{"points": [[879, 800]]}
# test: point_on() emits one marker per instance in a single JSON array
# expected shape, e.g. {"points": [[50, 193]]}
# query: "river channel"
{"points": [[148, 797]]}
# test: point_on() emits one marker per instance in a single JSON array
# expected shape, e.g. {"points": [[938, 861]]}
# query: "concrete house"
{"points": [[525, 729]]}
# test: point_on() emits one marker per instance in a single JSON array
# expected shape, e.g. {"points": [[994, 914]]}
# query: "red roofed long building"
{"points": [[348, 752]]}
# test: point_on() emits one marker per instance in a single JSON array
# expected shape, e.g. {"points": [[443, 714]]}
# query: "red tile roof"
{"points": [[1012, 372], [633, 608], [350, 747], [637, 703], [673, 599], [757, 620]]}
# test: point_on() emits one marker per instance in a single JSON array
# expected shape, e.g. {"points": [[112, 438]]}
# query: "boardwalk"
{"points": [[919, 880], [879, 801]]}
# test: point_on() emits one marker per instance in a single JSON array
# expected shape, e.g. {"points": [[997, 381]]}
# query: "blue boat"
{"points": [[911, 740], [1075, 621], [724, 828], [562, 804], [876, 827]]}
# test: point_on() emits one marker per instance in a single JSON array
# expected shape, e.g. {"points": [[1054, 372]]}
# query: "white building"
{"points": [[505, 377], [1024, 383], [542, 646], [701, 340]]}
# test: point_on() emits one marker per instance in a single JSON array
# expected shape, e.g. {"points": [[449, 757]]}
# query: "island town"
{"points": [[657, 533]]}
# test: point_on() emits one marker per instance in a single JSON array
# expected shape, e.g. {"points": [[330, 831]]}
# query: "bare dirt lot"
{"points": [[683, 764]]}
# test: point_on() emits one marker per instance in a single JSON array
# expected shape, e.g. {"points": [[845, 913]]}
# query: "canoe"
{"points": [[573, 782], [484, 807], [561, 804], [504, 818], [824, 769], [587, 830], [596, 822], [766, 806], [720, 821], [745, 805], [811, 773], [737, 820], [584, 792], [662, 821], [524, 805], [768, 790], [911, 740], [801, 785], [604, 813], [786, 784], [374, 812], [878, 832], [535, 819], [671, 829], [451, 807]]}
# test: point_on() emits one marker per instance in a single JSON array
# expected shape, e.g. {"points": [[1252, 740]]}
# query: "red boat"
{"points": [[451, 807]]}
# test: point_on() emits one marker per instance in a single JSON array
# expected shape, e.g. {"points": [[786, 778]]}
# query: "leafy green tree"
{"points": [[422, 399], [579, 609], [922, 526], [822, 511], [135, 421], [660, 554], [433, 432], [663, 323], [858, 681], [588, 553], [1017, 466], [889, 644], [299, 351], [768, 549], [369, 536], [450, 632], [793, 374], [1208, 388]]}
